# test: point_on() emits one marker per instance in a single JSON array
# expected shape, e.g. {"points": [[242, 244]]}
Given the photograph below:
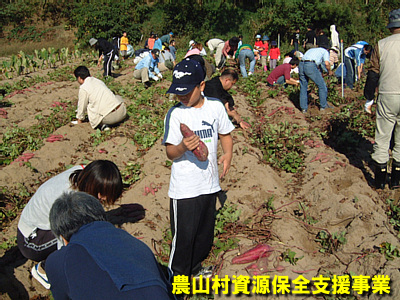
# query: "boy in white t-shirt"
{"points": [[194, 184]]}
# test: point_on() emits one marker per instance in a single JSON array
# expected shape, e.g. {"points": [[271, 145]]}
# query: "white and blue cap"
{"points": [[186, 76]]}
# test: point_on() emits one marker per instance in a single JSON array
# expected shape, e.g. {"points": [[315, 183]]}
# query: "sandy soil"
{"points": [[334, 191]]}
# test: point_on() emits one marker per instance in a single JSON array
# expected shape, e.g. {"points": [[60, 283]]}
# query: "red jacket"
{"points": [[274, 53]]}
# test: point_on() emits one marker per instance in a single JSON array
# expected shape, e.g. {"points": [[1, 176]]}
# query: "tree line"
{"points": [[203, 19]]}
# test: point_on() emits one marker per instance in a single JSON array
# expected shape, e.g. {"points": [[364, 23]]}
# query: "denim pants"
{"points": [[309, 70], [350, 66], [387, 120], [246, 53], [281, 80]]}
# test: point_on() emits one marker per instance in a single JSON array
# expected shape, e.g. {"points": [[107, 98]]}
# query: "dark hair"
{"points": [[155, 52], [198, 46], [233, 42], [171, 41], [240, 36], [82, 72], [73, 210], [230, 73], [294, 61], [99, 177], [290, 54], [367, 47]]}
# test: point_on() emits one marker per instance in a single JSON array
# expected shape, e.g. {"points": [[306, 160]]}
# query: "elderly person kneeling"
{"points": [[99, 261]]}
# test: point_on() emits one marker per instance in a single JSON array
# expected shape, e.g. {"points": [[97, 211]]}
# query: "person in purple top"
{"points": [[281, 74]]}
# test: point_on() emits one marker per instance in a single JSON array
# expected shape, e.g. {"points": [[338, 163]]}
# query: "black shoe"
{"points": [[206, 272], [147, 84], [380, 175], [395, 176]]}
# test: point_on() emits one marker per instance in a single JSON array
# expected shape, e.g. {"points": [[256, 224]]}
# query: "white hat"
{"points": [[92, 41], [191, 42]]}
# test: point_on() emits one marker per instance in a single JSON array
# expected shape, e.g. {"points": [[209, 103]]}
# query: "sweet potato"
{"points": [[201, 152], [261, 250]]}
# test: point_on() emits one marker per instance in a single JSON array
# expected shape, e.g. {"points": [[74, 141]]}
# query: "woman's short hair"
{"points": [[73, 210], [82, 72], [99, 177]]}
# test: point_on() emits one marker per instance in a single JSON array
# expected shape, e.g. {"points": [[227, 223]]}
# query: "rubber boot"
{"points": [[395, 176], [380, 175]]}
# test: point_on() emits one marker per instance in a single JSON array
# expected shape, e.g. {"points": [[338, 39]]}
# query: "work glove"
{"points": [[155, 78], [159, 75]]}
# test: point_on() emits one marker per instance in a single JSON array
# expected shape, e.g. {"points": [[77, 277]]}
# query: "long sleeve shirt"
{"points": [[97, 100], [150, 63], [104, 47], [355, 53]]}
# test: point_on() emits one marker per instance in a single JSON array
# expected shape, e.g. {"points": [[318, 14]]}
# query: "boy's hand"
{"points": [[226, 160], [191, 143]]}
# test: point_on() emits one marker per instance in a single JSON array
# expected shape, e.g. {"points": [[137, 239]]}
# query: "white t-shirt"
{"points": [[189, 176], [36, 212]]}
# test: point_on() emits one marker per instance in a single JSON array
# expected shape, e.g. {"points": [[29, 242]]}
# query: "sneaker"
{"points": [[206, 272], [105, 127], [326, 107], [368, 105], [250, 73], [40, 276], [147, 84], [304, 111]]}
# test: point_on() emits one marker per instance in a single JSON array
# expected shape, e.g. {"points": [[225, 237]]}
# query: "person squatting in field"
{"points": [[101, 179], [385, 73], [147, 68], [281, 74], [194, 184], [98, 101]]}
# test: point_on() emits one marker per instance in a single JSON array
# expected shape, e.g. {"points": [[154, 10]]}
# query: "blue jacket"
{"points": [[104, 262], [157, 44], [355, 53], [150, 63]]}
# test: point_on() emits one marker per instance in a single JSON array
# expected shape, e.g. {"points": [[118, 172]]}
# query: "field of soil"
{"points": [[331, 193]]}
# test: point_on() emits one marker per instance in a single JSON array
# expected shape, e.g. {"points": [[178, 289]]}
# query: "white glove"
{"points": [[155, 78], [279, 57], [159, 75]]}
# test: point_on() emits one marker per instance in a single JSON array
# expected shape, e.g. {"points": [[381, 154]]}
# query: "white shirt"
{"points": [[36, 212], [189, 176]]}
